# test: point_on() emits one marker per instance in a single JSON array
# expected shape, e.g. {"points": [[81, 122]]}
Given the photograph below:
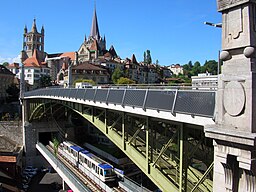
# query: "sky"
{"points": [[173, 30]]}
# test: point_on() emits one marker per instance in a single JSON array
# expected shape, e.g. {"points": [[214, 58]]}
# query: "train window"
{"points": [[93, 166], [107, 172], [101, 172]]}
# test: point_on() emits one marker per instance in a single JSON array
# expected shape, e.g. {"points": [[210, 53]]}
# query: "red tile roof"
{"points": [[71, 55], [94, 46], [88, 66], [32, 61]]}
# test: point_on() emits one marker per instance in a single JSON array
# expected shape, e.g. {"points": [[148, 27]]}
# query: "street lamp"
{"points": [[219, 25], [213, 24]]}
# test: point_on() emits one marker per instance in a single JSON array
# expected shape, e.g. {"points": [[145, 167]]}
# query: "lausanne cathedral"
{"points": [[91, 61]]}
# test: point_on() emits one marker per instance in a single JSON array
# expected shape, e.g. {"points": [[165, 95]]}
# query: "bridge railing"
{"points": [[192, 102]]}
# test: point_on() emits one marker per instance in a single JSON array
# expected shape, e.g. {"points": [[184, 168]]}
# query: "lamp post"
{"points": [[219, 25]]}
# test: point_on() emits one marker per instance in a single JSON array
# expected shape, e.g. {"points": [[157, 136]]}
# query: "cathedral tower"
{"points": [[94, 45], [33, 40]]}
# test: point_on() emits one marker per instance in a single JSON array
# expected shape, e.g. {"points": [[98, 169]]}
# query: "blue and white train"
{"points": [[86, 161]]}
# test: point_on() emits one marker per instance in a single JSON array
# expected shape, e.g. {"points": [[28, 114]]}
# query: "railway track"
{"points": [[85, 179]]}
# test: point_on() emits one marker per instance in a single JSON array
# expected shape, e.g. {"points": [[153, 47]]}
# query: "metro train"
{"points": [[84, 160]]}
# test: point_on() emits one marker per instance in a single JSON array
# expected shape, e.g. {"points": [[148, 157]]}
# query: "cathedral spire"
{"points": [[95, 28], [34, 29]]}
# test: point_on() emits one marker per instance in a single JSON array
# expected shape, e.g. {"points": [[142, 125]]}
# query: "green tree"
{"points": [[117, 74], [5, 64], [148, 57], [45, 81], [13, 91], [211, 66], [145, 57], [196, 68], [124, 80], [56, 144]]}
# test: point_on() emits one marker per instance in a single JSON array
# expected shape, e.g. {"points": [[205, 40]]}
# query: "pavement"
{"points": [[43, 182]]}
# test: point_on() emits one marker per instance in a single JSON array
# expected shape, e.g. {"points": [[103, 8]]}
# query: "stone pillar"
{"points": [[234, 133]]}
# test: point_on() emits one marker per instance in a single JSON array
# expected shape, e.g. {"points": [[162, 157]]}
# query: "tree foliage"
{"points": [[117, 74], [5, 64], [45, 81], [148, 57], [211, 66], [56, 144], [124, 80], [13, 91]]}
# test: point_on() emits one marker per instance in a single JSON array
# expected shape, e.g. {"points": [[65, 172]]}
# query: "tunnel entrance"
{"points": [[45, 137]]}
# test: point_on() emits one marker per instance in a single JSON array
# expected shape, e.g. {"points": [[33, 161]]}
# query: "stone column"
{"points": [[234, 133]]}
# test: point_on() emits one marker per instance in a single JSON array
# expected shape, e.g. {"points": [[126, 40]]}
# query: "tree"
{"points": [[13, 91], [211, 66], [116, 75], [45, 81], [145, 57], [124, 80], [5, 64], [56, 144], [148, 57], [196, 68]]}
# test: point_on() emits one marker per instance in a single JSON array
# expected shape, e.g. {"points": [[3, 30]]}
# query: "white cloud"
{"points": [[10, 60]]}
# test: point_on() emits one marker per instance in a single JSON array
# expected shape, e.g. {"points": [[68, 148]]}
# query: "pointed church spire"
{"points": [[34, 29], [85, 38], [25, 29], [95, 28], [42, 30]]}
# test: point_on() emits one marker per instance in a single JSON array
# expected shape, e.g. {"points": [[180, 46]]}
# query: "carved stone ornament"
{"points": [[225, 55], [249, 52], [234, 98]]}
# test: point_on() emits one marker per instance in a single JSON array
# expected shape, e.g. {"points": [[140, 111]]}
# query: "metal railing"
{"points": [[71, 176], [192, 102]]}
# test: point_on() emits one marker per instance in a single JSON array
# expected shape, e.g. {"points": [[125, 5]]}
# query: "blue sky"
{"points": [[172, 30]]}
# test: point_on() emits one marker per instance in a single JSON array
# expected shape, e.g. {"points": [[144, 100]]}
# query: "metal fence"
{"points": [[192, 102]]}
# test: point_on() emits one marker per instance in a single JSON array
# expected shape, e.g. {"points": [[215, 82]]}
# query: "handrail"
{"points": [[191, 102]]}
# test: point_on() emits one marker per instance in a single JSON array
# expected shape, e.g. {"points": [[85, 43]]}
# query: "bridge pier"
{"points": [[234, 133]]}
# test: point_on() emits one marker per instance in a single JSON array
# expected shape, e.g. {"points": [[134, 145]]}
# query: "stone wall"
{"points": [[12, 130]]}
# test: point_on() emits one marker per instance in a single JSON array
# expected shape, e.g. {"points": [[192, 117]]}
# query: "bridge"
{"points": [[160, 130], [169, 134]]}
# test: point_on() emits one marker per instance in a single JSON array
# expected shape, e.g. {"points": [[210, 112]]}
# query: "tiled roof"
{"points": [[133, 59], [71, 55], [88, 66], [33, 61], [94, 46], [112, 51]]}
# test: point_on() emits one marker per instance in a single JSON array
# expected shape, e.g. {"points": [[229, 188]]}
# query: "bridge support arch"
{"points": [[164, 150]]}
